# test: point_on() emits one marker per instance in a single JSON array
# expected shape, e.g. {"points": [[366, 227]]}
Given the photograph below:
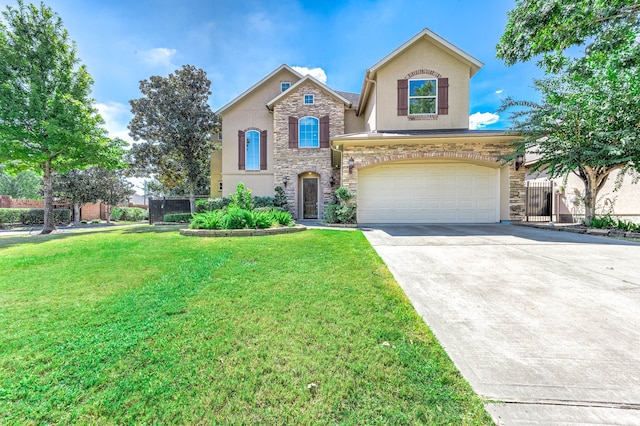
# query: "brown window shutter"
{"points": [[403, 96], [242, 150], [443, 96], [324, 132], [293, 132], [263, 150]]}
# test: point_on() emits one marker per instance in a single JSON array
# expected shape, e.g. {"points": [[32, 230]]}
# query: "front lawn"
{"points": [[136, 325]]}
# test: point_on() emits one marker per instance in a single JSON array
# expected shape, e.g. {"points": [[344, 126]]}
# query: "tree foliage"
{"points": [[47, 120], [26, 184], [79, 187], [175, 123], [587, 123], [550, 27]]}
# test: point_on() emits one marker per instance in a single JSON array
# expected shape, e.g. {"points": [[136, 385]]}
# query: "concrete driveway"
{"points": [[544, 325]]}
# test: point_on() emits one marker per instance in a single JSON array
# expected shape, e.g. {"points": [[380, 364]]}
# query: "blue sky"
{"points": [[239, 42]]}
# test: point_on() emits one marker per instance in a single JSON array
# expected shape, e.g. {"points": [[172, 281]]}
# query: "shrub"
{"points": [[177, 217], [280, 199], [237, 218], [95, 221], [10, 216], [261, 202], [607, 222], [242, 198], [211, 204], [207, 220], [282, 218], [263, 219], [344, 211], [36, 216], [132, 214]]}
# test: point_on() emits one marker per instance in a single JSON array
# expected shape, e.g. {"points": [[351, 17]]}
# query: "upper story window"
{"points": [[308, 133], [423, 96], [252, 139], [284, 85], [308, 99]]}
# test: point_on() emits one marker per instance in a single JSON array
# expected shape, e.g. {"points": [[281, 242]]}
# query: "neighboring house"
{"points": [[402, 146]]}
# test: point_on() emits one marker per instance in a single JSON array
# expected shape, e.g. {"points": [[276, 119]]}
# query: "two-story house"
{"points": [[402, 146]]}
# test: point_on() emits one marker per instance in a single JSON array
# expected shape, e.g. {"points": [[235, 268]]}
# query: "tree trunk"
{"points": [[590, 197], [192, 198], [76, 214], [47, 181]]}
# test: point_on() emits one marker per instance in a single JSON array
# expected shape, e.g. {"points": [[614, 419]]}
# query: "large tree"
{"points": [[174, 122], [550, 27], [47, 120], [587, 123]]}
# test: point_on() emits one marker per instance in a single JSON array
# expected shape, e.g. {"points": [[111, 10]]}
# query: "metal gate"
{"points": [[158, 208], [539, 201]]}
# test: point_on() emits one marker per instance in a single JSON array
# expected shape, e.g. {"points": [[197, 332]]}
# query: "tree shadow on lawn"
{"points": [[34, 237]]}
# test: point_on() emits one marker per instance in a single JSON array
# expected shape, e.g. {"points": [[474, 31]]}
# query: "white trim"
{"points": [[246, 144], [299, 138], [421, 97]]}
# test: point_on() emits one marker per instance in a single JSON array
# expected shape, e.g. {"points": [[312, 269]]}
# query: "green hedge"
{"points": [[177, 217], [132, 214], [36, 216], [10, 216], [211, 204]]}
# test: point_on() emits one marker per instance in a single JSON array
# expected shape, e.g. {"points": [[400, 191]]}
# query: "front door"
{"points": [[309, 198]]}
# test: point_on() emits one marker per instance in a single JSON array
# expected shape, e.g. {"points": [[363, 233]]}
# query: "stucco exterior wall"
{"points": [[472, 151], [353, 123], [251, 113], [298, 162], [424, 55], [216, 173]]}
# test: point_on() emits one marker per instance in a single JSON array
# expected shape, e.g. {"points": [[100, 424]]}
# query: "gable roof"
{"points": [[300, 82], [473, 63], [258, 84]]}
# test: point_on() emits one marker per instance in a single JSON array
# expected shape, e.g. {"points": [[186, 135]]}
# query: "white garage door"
{"points": [[428, 193]]}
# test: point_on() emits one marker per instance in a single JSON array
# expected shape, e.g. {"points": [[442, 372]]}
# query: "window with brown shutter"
{"points": [[403, 93], [263, 150], [324, 132], [293, 132], [443, 96], [241, 150]]}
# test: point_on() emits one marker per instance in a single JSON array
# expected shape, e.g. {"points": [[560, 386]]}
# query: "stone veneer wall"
{"points": [[293, 162], [367, 155]]}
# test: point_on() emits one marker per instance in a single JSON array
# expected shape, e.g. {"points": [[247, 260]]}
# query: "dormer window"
{"points": [[284, 85], [423, 96], [308, 99]]}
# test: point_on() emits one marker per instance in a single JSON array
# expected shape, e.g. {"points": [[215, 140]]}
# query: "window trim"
{"points": [[410, 97], [317, 144], [311, 97], [246, 161], [282, 84]]}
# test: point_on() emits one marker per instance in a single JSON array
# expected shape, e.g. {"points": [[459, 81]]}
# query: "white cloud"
{"points": [[116, 117], [479, 120], [159, 56], [317, 73], [499, 91]]}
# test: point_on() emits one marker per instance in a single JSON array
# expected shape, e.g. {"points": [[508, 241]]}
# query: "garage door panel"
{"points": [[428, 193]]}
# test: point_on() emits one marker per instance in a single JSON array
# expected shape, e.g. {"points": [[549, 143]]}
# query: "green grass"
{"points": [[139, 325]]}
